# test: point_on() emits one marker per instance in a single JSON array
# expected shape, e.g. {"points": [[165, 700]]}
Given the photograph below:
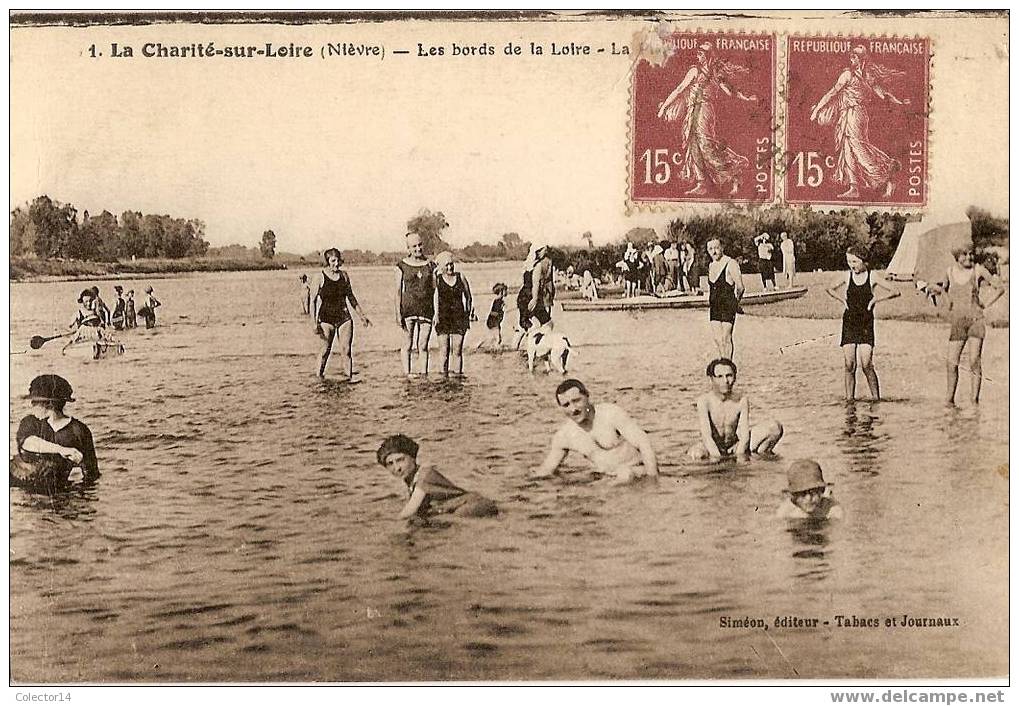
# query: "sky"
{"points": [[344, 151]]}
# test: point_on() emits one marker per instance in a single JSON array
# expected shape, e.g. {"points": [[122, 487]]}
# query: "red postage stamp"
{"points": [[856, 120], [703, 120]]}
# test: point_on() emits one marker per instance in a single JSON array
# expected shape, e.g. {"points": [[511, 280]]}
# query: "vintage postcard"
{"points": [[509, 347]]}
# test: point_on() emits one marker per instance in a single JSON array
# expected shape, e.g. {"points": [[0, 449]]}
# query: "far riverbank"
{"points": [[37, 270]]}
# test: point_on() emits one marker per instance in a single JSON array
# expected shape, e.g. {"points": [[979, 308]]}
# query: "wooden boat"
{"points": [[678, 301]]}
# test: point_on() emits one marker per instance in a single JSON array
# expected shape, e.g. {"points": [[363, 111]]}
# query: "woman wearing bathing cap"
{"points": [[51, 443], [453, 297]]}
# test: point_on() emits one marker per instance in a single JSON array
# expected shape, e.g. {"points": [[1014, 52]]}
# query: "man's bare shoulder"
{"points": [[613, 412]]}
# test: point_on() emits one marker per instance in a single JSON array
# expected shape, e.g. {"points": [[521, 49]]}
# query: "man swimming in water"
{"points": [[724, 420], [604, 434]]}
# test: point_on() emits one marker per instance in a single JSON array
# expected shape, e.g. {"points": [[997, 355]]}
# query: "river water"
{"points": [[242, 531]]}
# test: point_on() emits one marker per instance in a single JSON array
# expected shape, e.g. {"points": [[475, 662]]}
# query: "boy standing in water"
{"points": [[724, 420], [430, 491]]}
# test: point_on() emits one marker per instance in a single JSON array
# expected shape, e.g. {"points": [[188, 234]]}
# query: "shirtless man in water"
{"points": [[724, 420], [604, 434]]}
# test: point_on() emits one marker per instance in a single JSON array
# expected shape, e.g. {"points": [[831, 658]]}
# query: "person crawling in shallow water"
{"points": [[430, 492], [724, 420], [808, 496]]}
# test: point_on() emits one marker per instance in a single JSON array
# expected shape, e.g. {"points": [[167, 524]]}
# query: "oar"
{"points": [[38, 342]]}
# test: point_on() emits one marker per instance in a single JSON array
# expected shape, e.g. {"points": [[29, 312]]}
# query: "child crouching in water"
{"points": [[808, 496], [430, 491]]}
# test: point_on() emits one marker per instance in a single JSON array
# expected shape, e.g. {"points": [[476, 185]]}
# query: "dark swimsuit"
{"points": [[495, 316], [46, 472], [444, 496], [452, 314], [722, 298], [858, 320], [334, 294], [541, 312], [417, 291]]}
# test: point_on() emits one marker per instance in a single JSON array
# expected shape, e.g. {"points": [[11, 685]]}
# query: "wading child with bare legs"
{"points": [[454, 306], [332, 317], [493, 324], [962, 285], [415, 306], [724, 420], [858, 292]]}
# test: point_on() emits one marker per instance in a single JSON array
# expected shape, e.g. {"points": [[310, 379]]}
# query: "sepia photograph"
{"points": [[509, 348]]}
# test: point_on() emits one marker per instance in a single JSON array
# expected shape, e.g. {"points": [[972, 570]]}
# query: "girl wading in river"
{"points": [[332, 317]]}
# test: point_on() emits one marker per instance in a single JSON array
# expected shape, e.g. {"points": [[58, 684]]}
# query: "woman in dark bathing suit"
{"points": [[332, 318]]}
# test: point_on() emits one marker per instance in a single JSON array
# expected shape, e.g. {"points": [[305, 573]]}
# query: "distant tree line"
{"points": [[821, 237], [49, 229]]}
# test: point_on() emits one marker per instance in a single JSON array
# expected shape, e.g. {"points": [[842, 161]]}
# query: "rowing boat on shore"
{"points": [[679, 301]]}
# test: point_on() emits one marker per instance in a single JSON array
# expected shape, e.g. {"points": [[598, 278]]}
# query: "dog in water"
{"points": [[553, 348]]}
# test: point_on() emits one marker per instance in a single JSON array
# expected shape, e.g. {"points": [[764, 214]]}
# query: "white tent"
{"points": [[925, 252]]}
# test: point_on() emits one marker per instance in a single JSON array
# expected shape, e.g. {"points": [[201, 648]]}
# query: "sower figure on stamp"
{"points": [[693, 104], [858, 160]]}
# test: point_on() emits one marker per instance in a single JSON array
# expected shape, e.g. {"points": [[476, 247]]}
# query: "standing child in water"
{"points": [[454, 305], [858, 292], [332, 318], [493, 324], [430, 491], [415, 306]]}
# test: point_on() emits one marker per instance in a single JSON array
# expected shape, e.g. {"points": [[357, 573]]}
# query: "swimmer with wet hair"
{"points": [[724, 420], [604, 434], [430, 491]]}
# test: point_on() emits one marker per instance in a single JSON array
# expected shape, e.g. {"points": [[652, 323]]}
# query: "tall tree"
{"points": [[429, 226], [268, 245], [54, 224]]}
